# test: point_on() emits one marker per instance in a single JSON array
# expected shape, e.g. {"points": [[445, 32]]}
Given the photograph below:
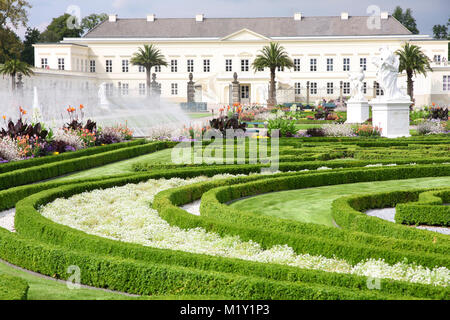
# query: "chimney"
{"points": [[112, 17], [298, 16], [199, 17], [151, 17], [344, 16], [384, 15]]}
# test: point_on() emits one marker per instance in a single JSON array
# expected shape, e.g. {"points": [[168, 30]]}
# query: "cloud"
{"points": [[118, 4]]}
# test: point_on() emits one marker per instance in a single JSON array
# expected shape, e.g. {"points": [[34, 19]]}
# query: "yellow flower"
{"points": [[55, 153]]}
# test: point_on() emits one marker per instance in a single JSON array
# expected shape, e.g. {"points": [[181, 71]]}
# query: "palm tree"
{"points": [[148, 57], [13, 67], [273, 56], [414, 62]]}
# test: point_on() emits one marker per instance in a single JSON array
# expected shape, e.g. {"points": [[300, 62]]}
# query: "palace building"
{"points": [[324, 51]]}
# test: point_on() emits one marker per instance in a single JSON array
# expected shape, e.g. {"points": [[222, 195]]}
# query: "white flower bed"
{"points": [[124, 213]]}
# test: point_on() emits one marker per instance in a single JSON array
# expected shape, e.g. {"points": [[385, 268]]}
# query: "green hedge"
{"points": [[30, 223], [51, 170], [148, 278], [266, 231], [16, 165], [13, 288], [347, 212], [429, 210]]}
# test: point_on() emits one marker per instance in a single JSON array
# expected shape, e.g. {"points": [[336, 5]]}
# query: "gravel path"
{"points": [[193, 207], [7, 219], [389, 215]]}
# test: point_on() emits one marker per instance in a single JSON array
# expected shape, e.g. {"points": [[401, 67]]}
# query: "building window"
{"points": [[85, 65], [190, 65], [363, 63], [280, 69], [330, 88], [108, 66], [313, 65], [125, 88], [142, 89], [330, 64], [378, 90], [157, 68], [365, 87], [346, 88], [44, 63], [109, 89], [244, 65], [297, 65], [61, 64], [92, 66], [446, 83], [437, 59], [245, 92], [260, 69], [346, 64], [313, 88], [298, 88], [141, 69], [174, 89], [206, 65], [174, 66], [228, 65]]}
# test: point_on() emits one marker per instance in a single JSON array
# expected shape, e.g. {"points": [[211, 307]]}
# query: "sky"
{"points": [[427, 13]]}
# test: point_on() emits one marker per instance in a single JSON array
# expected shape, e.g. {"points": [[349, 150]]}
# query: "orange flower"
{"points": [[81, 107], [24, 112], [4, 117], [433, 104]]}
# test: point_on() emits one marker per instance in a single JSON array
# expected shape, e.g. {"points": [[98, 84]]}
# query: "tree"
{"points": [[10, 45], [440, 31], [31, 37], [414, 62], [59, 29], [13, 13], [13, 67], [90, 22], [148, 57], [272, 56], [406, 19]]}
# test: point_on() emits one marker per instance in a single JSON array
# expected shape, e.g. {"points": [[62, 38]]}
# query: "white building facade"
{"points": [[324, 51]]}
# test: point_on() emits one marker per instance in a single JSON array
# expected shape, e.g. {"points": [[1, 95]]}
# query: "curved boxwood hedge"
{"points": [[429, 210], [16, 165], [348, 213], [13, 288], [264, 229], [32, 224], [51, 170]]}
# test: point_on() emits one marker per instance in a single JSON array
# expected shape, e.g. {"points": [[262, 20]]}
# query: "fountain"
{"points": [[37, 114], [104, 103]]}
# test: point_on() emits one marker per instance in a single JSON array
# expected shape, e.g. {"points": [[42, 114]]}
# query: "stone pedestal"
{"points": [[236, 88], [357, 111], [392, 117]]}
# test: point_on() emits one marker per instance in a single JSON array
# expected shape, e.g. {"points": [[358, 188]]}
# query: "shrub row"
{"points": [[13, 288], [51, 170], [30, 224], [149, 278], [429, 210], [348, 214], [16, 165]]}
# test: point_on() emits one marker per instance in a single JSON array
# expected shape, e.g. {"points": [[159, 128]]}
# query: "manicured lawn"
{"points": [[198, 115], [313, 205], [46, 289], [122, 167]]}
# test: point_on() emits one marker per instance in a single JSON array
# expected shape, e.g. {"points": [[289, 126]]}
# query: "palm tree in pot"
{"points": [[13, 67], [414, 62], [272, 56], [148, 57]]}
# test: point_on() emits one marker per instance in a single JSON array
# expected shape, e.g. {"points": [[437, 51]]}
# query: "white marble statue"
{"points": [[104, 103], [387, 65], [357, 85]]}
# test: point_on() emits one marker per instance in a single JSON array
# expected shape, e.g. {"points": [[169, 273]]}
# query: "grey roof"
{"points": [[221, 27]]}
